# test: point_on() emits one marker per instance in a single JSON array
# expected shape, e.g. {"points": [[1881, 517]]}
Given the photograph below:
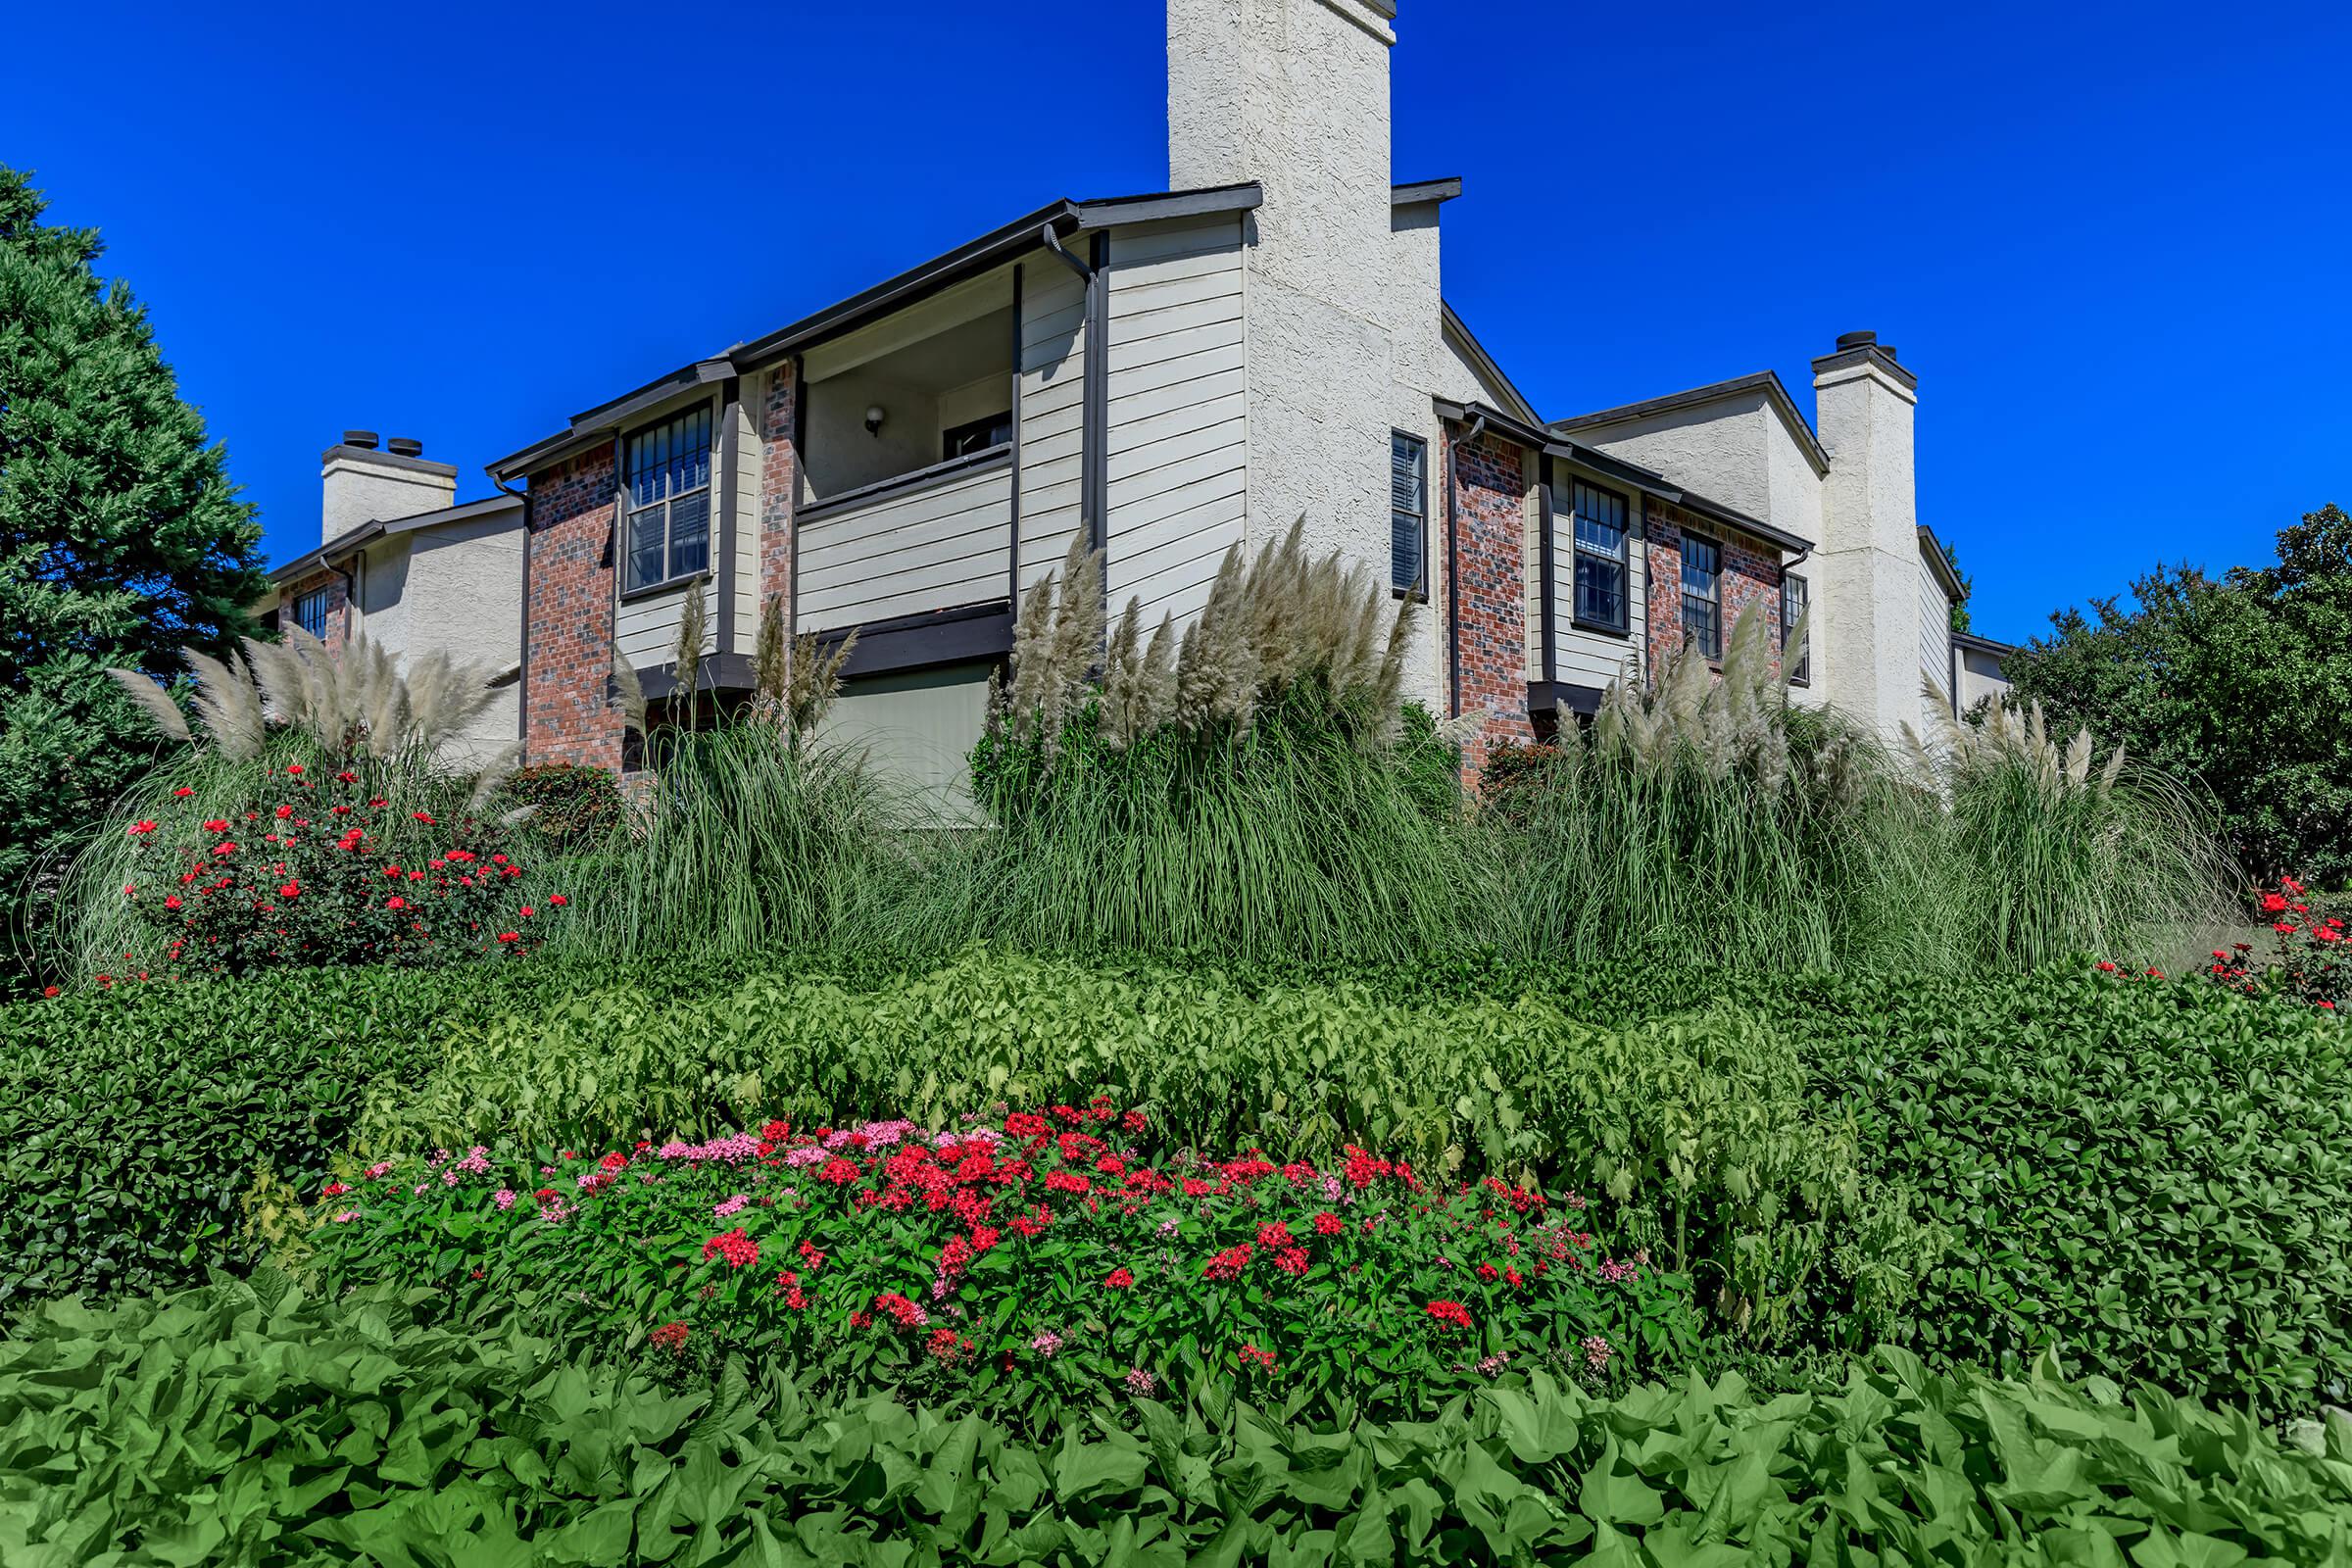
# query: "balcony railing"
{"points": [[940, 538]]}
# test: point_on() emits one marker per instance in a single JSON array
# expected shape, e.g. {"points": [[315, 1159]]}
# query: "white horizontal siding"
{"points": [[1178, 444], [938, 547], [1597, 659], [1051, 413], [644, 630], [743, 521]]}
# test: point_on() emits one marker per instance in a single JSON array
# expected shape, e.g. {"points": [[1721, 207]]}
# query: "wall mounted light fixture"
{"points": [[874, 416]]}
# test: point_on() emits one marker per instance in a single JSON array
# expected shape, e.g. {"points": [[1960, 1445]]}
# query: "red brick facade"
{"points": [[1490, 489], [570, 614], [779, 484], [1751, 577], [339, 600]]}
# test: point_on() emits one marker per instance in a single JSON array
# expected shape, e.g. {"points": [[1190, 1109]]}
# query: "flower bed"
{"points": [[308, 867], [2311, 961], [1040, 1255]]}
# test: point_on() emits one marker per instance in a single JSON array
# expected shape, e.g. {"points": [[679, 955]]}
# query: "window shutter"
{"points": [[1408, 475]]}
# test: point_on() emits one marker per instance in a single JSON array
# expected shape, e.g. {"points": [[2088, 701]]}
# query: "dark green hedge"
{"points": [[252, 1426], [2147, 1175], [133, 1122]]}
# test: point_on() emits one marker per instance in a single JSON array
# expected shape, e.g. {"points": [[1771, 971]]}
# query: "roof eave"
{"points": [[1064, 216], [1769, 382], [1647, 480], [1941, 564]]}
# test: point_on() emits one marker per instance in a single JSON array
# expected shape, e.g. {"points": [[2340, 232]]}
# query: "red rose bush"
{"points": [[302, 865], [1036, 1255]]}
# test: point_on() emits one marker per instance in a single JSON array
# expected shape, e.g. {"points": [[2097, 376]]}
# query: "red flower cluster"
{"points": [[736, 1246], [286, 891], [1449, 1315], [2310, 962]]}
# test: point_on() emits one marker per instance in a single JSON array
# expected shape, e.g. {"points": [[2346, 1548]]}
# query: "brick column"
{"points": [[570, 614], [1491, 531], [779, 483]]}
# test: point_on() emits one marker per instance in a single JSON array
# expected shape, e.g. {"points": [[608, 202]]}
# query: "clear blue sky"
{"points": [[2116, 242]]}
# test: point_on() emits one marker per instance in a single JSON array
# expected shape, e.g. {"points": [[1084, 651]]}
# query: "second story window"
{"points": [[1601, 556], [1702, 595], [1408, 512], [668, 489], [312, 609], [1796, 597]]}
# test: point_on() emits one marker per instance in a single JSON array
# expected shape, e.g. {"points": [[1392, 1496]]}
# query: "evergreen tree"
{"points": [[2242, 682], [120, 536]]}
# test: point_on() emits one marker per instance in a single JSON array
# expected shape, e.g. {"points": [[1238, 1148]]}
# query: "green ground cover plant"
{"points": [[1018, 1264], [256, 1425], [1696, 1132]]}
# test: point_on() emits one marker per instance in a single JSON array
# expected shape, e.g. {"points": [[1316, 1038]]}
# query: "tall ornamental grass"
{"points": [[1709, 818]]}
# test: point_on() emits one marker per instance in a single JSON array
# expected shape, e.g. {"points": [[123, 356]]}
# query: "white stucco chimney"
{"points": [[360, 484], [1867, 567], [1294, 95]]}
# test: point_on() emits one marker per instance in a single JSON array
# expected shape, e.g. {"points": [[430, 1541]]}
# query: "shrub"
{"points": [[985, 1263], [266, 1427], [2143, 1174], [2309, 959], [143, 1130], [572, 808], [752, 840], [258, 864], [1695, 1132], [330, 819], [1709, 816]]}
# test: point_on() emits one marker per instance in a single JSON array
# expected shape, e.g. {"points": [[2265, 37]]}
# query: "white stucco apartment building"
{"points": [[1172, 374], [401, 562]]}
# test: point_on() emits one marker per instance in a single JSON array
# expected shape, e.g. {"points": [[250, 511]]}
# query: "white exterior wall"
{"points": [[741, 518], [1295, 94], [359, 486], [1935, 636], [1178, 448], [1424, 365], [1866, 572], [1980, 678], [942, 547], [465, 598], [1051, 415]]}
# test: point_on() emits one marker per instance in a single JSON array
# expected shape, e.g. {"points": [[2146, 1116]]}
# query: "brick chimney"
{"points": [[1867, 567], [360, 484]]}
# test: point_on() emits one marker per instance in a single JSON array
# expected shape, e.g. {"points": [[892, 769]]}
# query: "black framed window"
{"points": [[667, 483], [1603, 574], [978, 436], [1702, 595], [312, 609], [1408, 512], [1796, 597]]}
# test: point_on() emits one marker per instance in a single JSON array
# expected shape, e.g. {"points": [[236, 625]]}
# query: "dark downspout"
{"points": [[522, 678], [1453, 568]]}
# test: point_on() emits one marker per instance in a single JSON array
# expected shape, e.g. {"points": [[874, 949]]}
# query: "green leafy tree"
{"points": [[122, 539], [2242, 681], [1968, 586]]}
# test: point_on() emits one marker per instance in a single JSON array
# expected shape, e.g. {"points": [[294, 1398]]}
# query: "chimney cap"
{"points": [[1848, 342], [360, 438], [405, 446]]}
